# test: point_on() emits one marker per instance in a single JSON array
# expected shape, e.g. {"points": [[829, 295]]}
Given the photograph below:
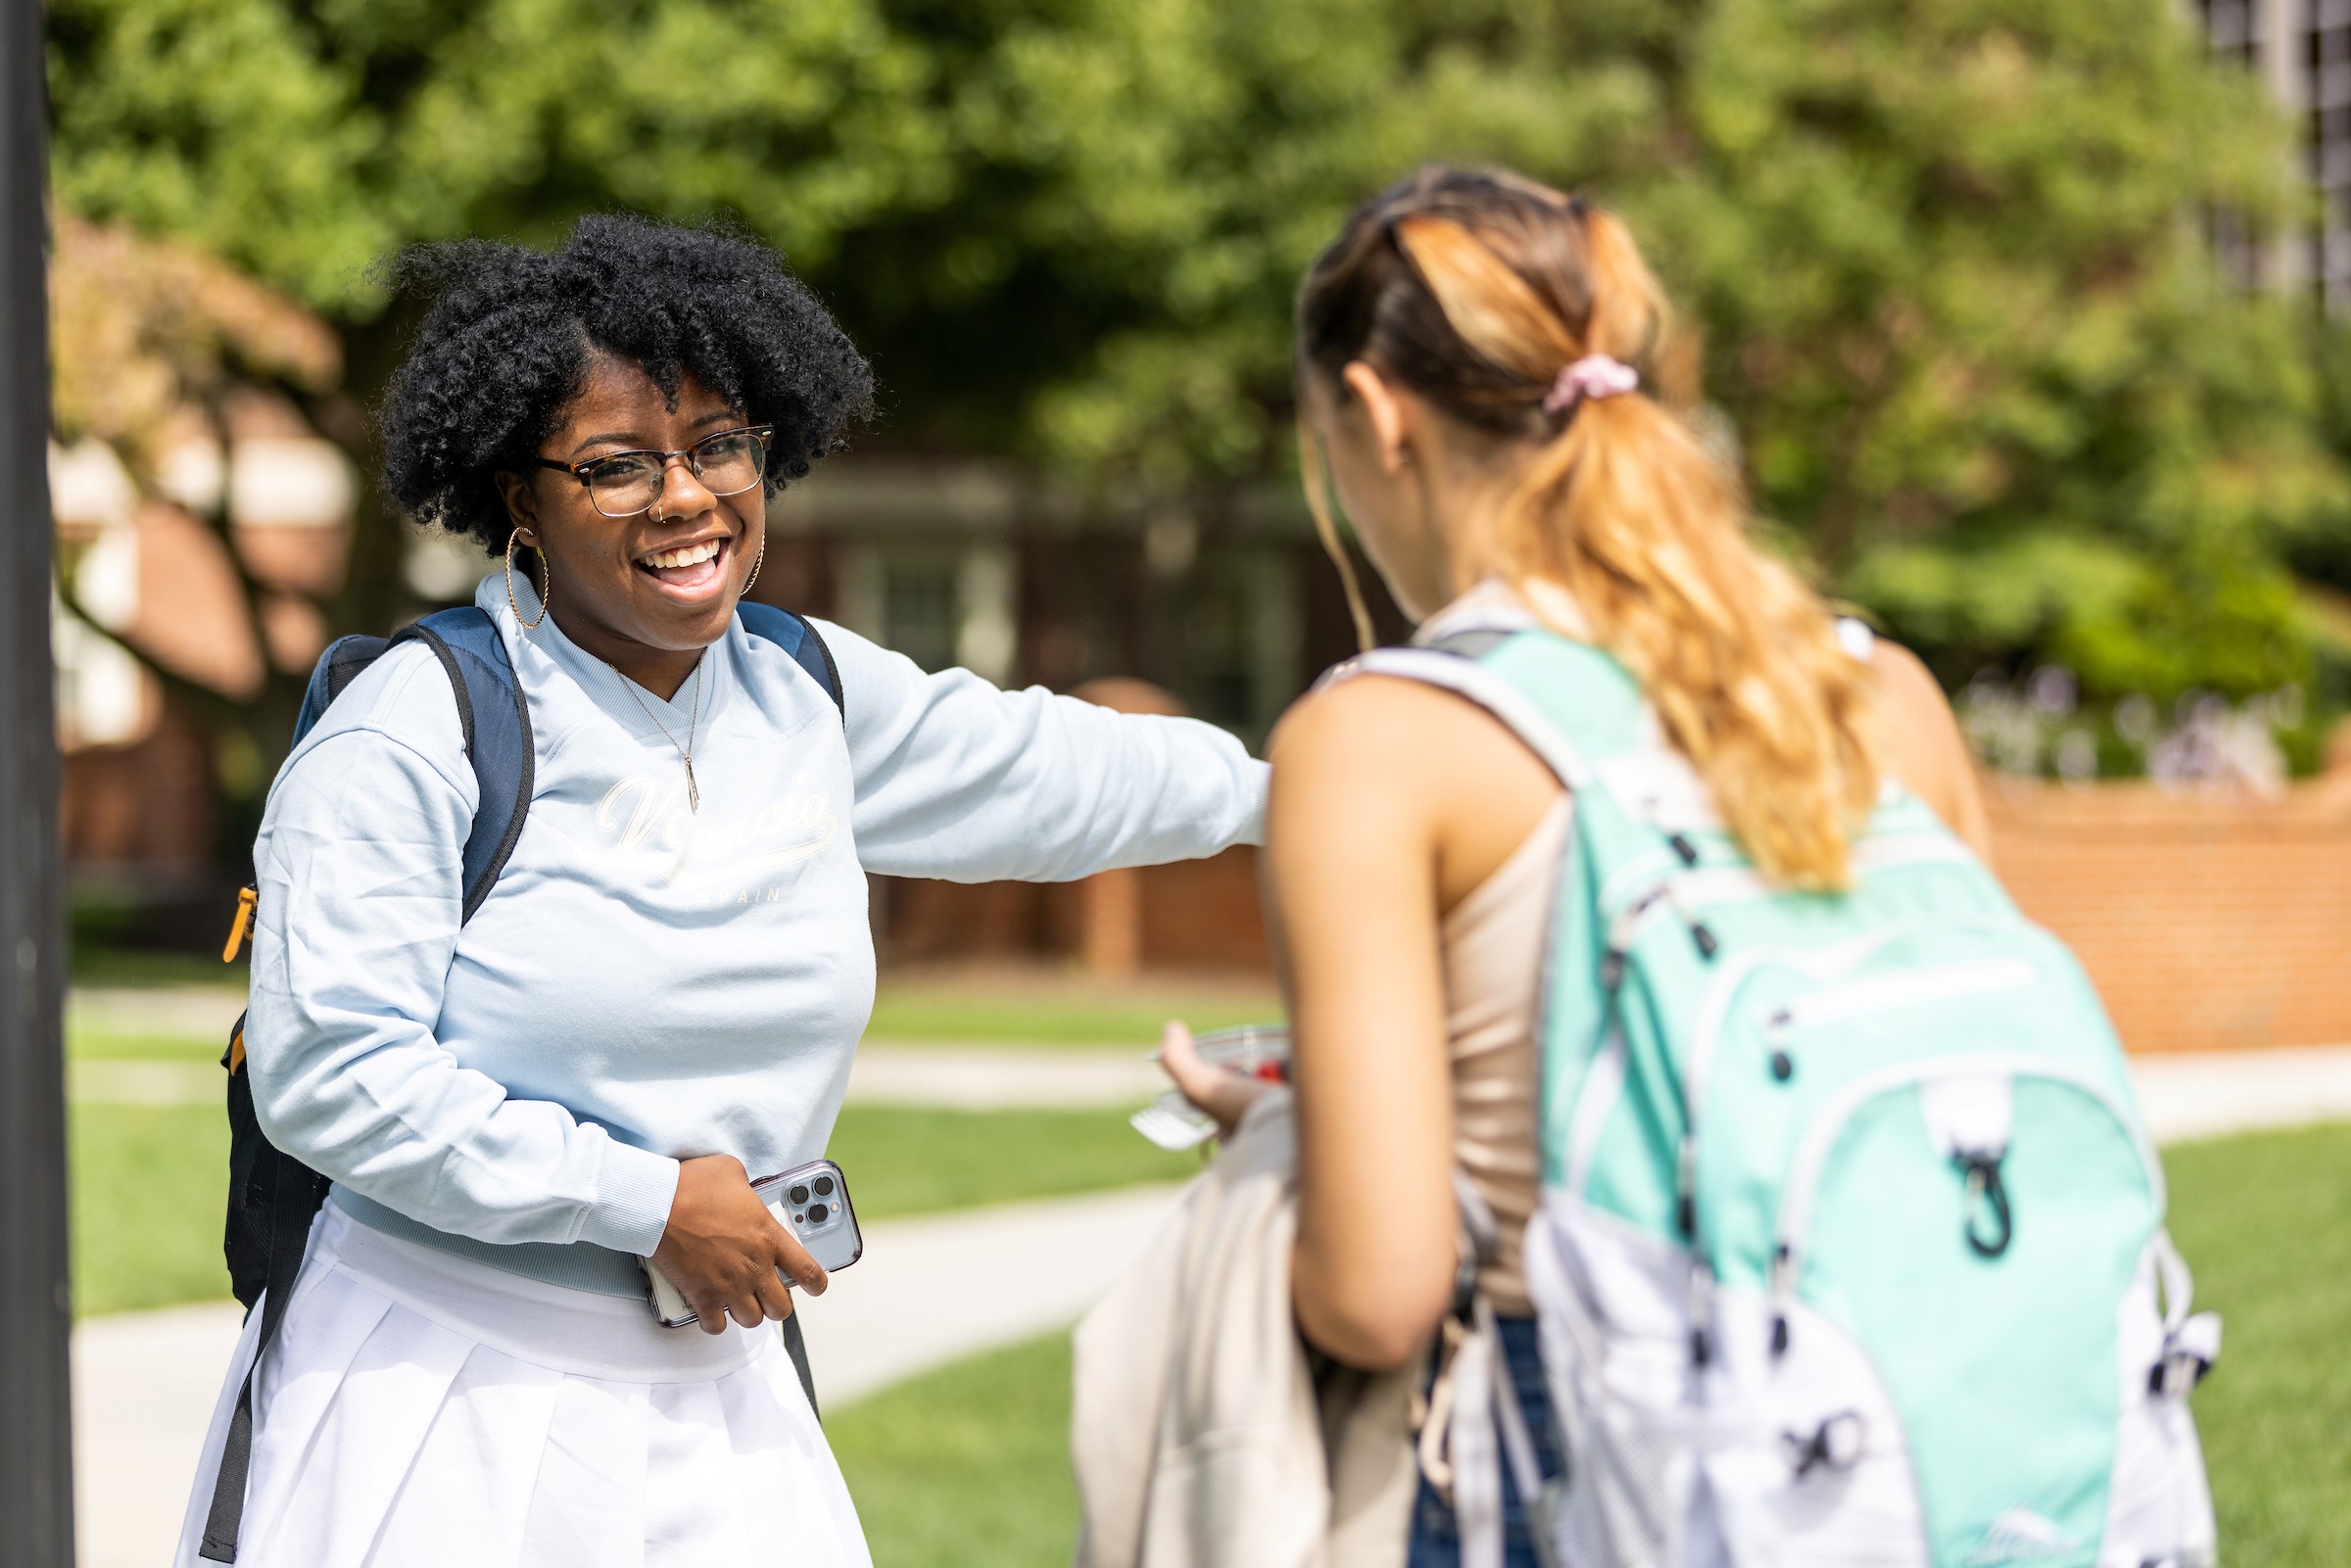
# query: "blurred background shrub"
{"points": [[1985, 296]]}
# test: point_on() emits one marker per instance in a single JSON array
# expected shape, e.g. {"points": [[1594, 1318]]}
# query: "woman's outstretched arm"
{"points": [[958, 779]]}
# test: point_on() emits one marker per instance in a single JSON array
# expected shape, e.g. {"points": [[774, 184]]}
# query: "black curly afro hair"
{"points": [[506, 342]]}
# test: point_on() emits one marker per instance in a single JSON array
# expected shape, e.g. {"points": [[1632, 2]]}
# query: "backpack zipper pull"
{"points": [[1702, 1277], [248, 900], [1621, 934], [1709, 944], [1701, 1309], [1778, 1292]]}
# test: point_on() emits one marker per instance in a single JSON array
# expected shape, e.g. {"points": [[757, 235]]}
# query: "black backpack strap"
{"points": [[799, 637], [495, 718], [292, 1195], [796, 1348]]}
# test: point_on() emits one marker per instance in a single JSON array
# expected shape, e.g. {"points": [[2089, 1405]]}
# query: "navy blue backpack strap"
{"points": [[274, 1197], [345, 657], [799, 637], [497, 720]]}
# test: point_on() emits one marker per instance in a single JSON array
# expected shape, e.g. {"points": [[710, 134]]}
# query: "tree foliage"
{"points": [[1945, 258]]}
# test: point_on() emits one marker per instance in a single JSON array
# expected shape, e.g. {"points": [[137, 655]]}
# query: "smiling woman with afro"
{"points": [[513, 333], [541, 1102]]}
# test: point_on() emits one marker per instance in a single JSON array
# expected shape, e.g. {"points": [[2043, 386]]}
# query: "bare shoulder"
{"points": [[1908, 688], [1406, 730], [1379, 754], [1923, 745]]}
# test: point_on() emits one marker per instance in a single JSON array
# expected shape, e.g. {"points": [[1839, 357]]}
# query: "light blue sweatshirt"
{"points": [[647, 982]]}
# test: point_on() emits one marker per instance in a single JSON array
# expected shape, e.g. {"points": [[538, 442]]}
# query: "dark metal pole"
{"points": [[36, 1473]]}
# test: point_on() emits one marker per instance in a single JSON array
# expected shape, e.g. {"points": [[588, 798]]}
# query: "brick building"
{"points": [[211, 607]]}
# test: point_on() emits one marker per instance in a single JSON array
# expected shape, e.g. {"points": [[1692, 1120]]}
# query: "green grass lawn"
{"points": [[903, 1161], [150, 1181], [969, 1467], [2264, 1223], [106, 1044], [1005, 1004], [1059, 1008], [137, 969], [149, 1188]]}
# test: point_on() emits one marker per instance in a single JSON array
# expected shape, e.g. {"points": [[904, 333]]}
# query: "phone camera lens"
{"points": [[824, 1186], [816, 1213], [799, 1195]]}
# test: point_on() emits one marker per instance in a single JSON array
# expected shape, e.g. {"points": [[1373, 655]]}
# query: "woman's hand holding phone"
{"points": [[724, 1248], [1221, 1095]]}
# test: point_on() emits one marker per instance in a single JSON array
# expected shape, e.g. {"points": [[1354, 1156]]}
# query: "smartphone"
{"points": [[813, 1203]]}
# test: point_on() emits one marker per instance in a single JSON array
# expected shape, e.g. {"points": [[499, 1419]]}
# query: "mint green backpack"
{"points": [[1850, 1249]]}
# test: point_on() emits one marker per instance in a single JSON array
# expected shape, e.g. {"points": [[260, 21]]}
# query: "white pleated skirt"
{"points": [[420, 1411]]}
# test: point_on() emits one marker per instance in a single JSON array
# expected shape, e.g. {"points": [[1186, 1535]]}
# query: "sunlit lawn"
{"points": [[149, 1181], [969, 1467], [1015, 1005], [2265, 1220], [1057, 1007]]}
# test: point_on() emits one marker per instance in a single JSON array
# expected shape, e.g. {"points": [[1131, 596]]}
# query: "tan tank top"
{"points": [[1493, 945], [1493, 951]]}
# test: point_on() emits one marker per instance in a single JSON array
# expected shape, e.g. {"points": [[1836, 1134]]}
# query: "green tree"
{"points": [[1945, 257]]}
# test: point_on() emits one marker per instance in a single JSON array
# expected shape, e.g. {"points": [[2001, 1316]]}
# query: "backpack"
{"points": [[272, 1196], [1851, 1246]]}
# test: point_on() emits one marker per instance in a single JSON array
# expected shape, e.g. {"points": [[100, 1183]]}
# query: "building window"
{"points": [[1244, 640], [2326, 56], [2234, 28], [917, 607], [941, 606]]}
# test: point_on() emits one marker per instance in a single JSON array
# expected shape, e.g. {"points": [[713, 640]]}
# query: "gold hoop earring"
{"points": [[545, 595], [757, 563]]}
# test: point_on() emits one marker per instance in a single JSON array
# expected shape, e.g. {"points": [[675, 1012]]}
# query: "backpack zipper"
{"points": [[1880, 993], [1856, 1000], [1725, 882], [1793, 1224], [1815, 964]]}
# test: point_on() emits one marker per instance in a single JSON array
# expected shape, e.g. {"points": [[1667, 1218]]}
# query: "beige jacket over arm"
{"points": [[1199, 1436]]}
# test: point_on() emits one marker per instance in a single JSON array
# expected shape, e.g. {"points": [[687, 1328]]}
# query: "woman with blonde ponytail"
{"points": [[1479, 372]]}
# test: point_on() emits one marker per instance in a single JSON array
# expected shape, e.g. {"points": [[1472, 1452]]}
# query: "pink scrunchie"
{"points": [[1594, 376]]}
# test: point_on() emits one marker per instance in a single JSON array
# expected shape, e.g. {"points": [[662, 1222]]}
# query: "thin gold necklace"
{"points": [[693, 794]]}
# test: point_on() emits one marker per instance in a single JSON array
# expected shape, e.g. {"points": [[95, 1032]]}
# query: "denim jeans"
{"points": [[1436, 1539]]}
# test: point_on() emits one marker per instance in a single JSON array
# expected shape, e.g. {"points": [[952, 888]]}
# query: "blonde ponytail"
{"points": [[1625, 508]]}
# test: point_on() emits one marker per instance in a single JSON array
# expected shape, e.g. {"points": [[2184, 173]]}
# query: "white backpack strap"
{"points": [[2191, 1341], [1465, 677], [1470, 1445], [1485, 1401]]}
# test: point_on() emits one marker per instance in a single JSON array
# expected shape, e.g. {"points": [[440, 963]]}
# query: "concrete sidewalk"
{"points": [[2211, 1094]]}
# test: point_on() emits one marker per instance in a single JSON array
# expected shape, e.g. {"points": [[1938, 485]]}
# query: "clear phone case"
{"points": [[813, 1203]]}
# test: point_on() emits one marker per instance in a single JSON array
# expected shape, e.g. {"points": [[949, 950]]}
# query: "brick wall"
{"points": [[2210, 923]]}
